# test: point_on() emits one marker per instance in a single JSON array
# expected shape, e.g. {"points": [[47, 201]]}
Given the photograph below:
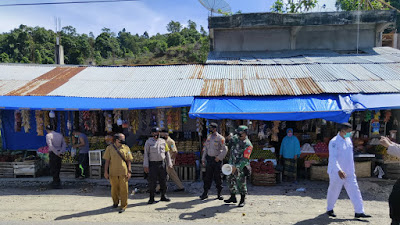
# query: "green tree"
{"points": [[293, 6], [4, 58], [107, 44], [174, 27], [192, 25], [175, 39]]}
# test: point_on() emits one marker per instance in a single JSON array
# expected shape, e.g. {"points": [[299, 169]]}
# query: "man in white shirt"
{"points": [[341, 172], [57, 147], [394, 198]]}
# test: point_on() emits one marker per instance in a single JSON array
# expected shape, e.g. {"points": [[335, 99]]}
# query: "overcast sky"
{"points": [[145, 15]]}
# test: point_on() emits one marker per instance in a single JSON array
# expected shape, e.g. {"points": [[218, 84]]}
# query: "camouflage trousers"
{"points": [[237, 183]]}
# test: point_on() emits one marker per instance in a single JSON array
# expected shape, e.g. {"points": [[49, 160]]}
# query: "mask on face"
{"points": [[76, 136], [347, 135], [290, 134], [122, 142]]}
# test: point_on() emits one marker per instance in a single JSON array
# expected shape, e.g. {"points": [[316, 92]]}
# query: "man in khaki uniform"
{"points": [[214, 152], [173, 151], [120, 170], [155, 155]]}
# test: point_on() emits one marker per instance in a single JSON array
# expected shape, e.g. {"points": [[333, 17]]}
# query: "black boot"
{"points": [[204, 195], [219, 196], [232, 199], [164, 198], [242, 198], [151, 200]]}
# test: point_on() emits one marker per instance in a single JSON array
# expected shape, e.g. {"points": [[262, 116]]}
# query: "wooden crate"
{"points": [[137, 169], [319, 173], [363, 169], [96, 172], [263, 179], [186, 173], [6, 170], [68, 170], [26, 168]]}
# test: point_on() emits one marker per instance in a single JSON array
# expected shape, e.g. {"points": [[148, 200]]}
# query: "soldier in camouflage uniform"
{"points": [[240, 151]]}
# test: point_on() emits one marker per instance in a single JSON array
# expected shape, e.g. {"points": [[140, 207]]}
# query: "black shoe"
{"points": [[151, 201], [121, 211], [219, 197], [232, 199], [179, 190], [158, 192], [204, 196], [242, 198], [331, 213], [115, 205], [165, 199], [361, 215]]}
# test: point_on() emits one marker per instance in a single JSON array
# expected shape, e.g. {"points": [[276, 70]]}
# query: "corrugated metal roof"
{"points": [[322, 72]]}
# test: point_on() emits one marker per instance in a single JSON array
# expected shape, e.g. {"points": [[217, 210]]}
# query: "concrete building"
{"points": [[309, 31]]}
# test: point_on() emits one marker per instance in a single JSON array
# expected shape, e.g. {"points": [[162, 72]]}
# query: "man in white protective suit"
{"points": [[341, 172]]}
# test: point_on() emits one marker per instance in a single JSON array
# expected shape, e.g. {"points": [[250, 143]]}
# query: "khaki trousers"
{"points": [[174, 177], [119, 190]]}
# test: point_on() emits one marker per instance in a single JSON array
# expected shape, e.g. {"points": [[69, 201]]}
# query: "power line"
{"points": [[64, 3]]}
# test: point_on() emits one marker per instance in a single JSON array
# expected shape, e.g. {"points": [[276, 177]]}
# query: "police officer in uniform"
{"points": [[342, 172], [156, 157], [214, 152], [240, 151]]}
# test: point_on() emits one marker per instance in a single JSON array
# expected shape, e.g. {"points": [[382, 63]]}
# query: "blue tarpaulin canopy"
{"points": [[376, 101], [335, 108], [79, 103]]}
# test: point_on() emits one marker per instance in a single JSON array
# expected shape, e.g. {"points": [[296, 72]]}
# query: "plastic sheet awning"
{"points": [[376, 101], [335, 108], [78, 103]]}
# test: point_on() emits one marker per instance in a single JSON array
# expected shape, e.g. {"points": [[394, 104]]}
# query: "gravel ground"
{"points": [[30, 201]]}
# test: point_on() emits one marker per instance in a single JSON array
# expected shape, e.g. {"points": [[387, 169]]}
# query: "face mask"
{"points": [[290, 134], [347, 135], [122, 142], [76, 136]]}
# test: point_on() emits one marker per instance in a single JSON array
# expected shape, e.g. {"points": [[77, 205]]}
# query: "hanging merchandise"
{"points": [[26, 120], [62, 123], [375, 124], [69, 124], [134, 121], [170, 120], [368, 116], [161, 118], [177, 119], [261, 134], [101, 122], [153, 118], [108, 122], [94, 123], [143, 120], [184, 112], [388, 114], [17, 120], [223, 127], [199, 126], [46, 118], [275, 131], [283, 125], [86, 120], [117, 117]]}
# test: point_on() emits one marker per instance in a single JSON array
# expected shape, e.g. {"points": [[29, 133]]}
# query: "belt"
{"points": [[156, 162]]}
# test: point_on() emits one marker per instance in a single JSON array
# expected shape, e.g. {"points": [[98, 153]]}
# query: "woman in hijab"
{"points": [[290, 151]]}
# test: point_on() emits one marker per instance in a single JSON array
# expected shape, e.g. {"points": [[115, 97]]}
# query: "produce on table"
{"points": [[262, 167], [264, 154], [67, 158], [185, 159], [321, 147], [137, 148], [312, 157], [137, 157]]}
